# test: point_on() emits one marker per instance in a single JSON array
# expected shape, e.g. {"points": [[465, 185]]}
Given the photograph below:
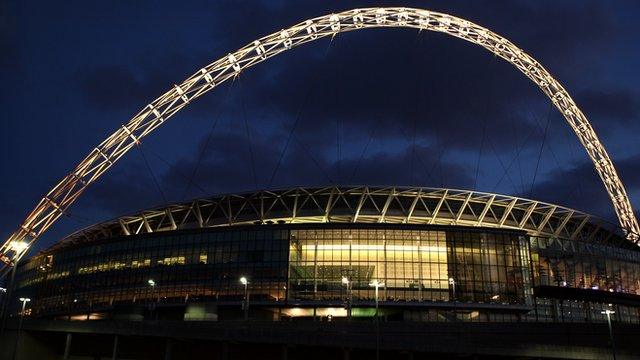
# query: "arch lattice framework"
{"points": [[101, 158]]}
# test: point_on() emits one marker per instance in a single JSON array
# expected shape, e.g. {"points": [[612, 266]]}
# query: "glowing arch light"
{"points": [[49, 209]]}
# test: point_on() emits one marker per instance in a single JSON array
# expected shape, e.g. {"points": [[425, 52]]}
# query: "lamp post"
{"points": [[347, 283], [613, 345], [152, 283], [377, 284], [24, 304], [3, 292], [245, 300], [452, 282]]}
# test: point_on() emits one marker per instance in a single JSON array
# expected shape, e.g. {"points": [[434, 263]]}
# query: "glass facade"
{"points": [[413, 265], [196, 265], [428, 273], [572, 264]]}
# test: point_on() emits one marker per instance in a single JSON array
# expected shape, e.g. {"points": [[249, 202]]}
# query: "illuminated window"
{"points": [[174, 260]]}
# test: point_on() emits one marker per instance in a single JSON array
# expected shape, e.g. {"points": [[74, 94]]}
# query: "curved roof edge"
{"points": [[363, 204]]}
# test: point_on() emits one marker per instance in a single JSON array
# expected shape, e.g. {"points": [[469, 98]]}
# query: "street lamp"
{"points": [[245, 300], [24, 301], [152, 283], [3, 292], [613, 345], [345, 281], [452, 282], [377, 284]]}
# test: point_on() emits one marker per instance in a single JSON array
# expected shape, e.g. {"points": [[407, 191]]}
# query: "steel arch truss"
{"points": [[53, 205], [390, 205]]}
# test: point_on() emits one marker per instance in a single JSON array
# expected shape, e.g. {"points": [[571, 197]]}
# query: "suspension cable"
{"points": [[418, 157], [574, 191], [182, 175], [512, 119], [297, 119], [316, 162], [82, 220], [579, 190], [248, 133], [153, 175], [484, 127], [300, 143], [513, 159], [338, 154], [484, 131], [416, 47], [364, 150], [339, 136], [505, 168], [413, 150], [214, 124], [544, 138]]}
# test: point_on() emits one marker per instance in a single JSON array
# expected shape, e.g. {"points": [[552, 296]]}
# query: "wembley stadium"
{"points": [[496, 258], [328, 272], [339, 254]]}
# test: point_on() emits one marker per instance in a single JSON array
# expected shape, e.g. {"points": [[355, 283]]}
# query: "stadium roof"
{"points": [[362, 204]]}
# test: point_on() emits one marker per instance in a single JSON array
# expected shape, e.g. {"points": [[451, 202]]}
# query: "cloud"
{"points": [[398, 82], [387, 85], [604, 107], [449, 88], [580, 187], [111, 87], [226, 167]]}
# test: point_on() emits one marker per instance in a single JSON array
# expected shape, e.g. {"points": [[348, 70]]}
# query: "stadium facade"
{"points": [[503, 257], [316, 254]]}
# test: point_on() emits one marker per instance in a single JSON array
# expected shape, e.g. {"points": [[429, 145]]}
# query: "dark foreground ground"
{"points": [[308, 340]]}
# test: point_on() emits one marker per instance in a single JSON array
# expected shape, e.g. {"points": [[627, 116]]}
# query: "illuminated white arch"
{"points": [[155, 114]]}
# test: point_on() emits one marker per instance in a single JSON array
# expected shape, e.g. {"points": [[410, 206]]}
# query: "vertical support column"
{"points": [[114, 353], [290, 259], [524, 250], [384, 259], [451, 261], [419, 271], [315, 269], [351, 278], [350, 274], [67, 346]]}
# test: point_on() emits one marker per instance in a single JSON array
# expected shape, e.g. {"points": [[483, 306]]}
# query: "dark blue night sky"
{"points": [[374, 107]]}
